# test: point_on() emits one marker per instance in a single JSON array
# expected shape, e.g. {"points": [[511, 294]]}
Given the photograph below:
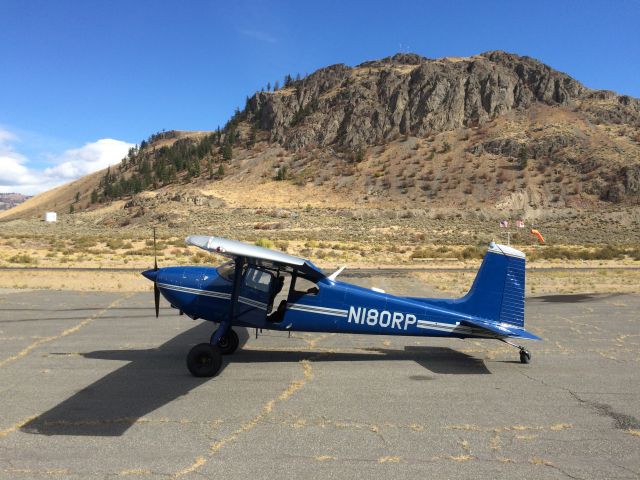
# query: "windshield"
{"points": [[226, 270]]}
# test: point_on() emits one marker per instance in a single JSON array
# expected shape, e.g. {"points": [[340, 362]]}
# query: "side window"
{"points": [[305, 287], [258, 280]]}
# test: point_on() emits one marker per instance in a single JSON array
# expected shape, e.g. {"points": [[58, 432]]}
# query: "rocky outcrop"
{"points": [[405, 95], [604, 106]]}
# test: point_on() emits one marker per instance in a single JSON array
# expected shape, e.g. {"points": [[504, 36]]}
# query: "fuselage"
{"points": [[335, 306]]}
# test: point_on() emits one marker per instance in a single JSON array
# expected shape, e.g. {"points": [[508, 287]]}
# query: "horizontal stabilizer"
{"points": [[500, 329]]}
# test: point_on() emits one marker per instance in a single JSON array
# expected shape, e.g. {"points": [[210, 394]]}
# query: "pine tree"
{"points": [[227, 151], [196, 168], [281, 174], [210, 168]]}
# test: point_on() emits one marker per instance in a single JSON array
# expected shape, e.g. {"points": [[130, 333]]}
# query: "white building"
{"points": [[51, 217]]}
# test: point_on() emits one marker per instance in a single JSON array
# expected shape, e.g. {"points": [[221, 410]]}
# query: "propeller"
{"points": [[152, 274], [156, 290]]}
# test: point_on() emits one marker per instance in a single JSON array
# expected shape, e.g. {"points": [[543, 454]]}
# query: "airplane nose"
{"points": [[150, 274]]}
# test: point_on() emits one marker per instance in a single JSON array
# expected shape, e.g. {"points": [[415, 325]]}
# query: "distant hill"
{"points": [[492, 133], [10, 200]]}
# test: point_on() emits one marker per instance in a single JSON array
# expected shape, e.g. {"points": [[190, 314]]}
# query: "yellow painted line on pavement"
{"points": [[42, 341], [16, 426], [266, 410]]}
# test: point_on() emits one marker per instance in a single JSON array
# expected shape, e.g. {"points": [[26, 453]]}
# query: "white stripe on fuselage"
{"points": [[209, 293], [301, 307], [194, 291]]}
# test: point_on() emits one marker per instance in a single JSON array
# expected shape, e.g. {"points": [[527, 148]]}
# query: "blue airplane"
{"points": [[266, 289]]}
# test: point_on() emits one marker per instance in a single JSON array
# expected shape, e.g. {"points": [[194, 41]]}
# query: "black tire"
{"points": [[525, 357], [228, 343], [204, 360]]}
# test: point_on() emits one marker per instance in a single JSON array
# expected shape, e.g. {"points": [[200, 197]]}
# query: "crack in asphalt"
{"points": [[622, 421]]}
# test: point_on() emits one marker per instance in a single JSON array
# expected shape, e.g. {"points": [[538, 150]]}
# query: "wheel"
{"points": [[204, 360], [525, 356], [228, 343]]}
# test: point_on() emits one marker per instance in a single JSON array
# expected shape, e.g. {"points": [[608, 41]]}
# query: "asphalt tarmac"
{"points": [[93, 386]]}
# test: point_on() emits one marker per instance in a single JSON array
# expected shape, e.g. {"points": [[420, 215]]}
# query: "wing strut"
{"points": [[225, 325]]}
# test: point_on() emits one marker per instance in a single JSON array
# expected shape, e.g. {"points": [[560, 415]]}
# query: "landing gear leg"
{"points": [[525, 355]]}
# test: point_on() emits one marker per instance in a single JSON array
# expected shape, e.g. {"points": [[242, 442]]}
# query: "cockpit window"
{"points": [[305, 287], [227, 270]]}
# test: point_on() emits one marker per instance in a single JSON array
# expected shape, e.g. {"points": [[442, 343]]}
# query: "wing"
{"points": [[258, 255]]}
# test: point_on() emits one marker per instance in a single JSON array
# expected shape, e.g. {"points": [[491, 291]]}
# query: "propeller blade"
{"points": [[156, 297], [155, 253]]}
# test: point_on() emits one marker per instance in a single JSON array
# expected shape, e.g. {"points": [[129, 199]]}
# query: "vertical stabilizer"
{"points": [[497, 292]]}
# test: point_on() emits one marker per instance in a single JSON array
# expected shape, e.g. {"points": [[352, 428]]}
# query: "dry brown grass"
{"points": [[78, 281], [544, 282]]}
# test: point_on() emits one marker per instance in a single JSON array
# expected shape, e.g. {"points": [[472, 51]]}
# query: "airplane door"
{"points": [[255, 295]]}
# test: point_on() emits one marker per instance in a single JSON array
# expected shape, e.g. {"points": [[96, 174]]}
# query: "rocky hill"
{"points": [[10, 200], [492, 133]]}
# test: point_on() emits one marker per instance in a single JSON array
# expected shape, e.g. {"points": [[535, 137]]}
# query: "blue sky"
{"points": [[73, 73]]}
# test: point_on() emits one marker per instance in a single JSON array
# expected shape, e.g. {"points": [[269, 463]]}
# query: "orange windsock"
{"points": [[539, 235]]}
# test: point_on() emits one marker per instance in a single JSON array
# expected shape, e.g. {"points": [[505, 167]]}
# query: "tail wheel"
{"points": [[204, 360], [525, 356], [228, 343]]}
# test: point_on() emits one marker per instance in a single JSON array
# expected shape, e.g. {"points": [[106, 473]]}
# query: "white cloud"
{"points": [[90, 158], [17, 176]]}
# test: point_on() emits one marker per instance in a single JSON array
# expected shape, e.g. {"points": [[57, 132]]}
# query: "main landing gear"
{"points": [[205, 359], [525, 355], [228, 343]]}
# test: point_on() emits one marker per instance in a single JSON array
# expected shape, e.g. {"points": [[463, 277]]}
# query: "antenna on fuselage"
{"points": [[335, 274]]}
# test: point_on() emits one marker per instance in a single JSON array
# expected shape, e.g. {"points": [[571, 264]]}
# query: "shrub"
{"points": [[23, 258], [471, 253], [115, 243], [264, 242]]}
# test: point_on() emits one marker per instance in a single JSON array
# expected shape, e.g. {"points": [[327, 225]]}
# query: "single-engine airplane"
{"points": [[266, 289]]}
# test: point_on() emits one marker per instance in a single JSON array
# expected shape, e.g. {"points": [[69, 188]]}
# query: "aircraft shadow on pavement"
{"points": [[436, 359], [155, 377], [110, 405]]}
